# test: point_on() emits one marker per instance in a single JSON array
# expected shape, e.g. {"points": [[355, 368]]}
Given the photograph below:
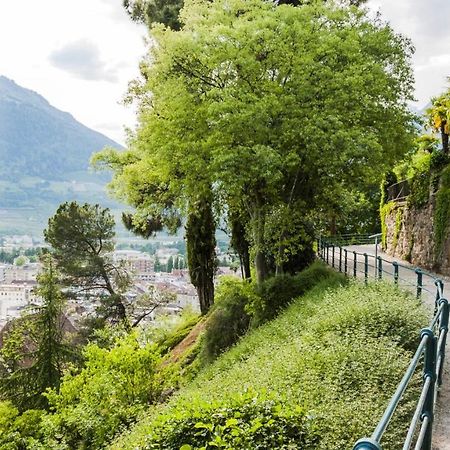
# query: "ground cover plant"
{"points": [[322, 373], [242, 305]]}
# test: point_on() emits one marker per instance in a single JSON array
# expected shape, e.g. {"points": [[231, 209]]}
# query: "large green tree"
{"points": [[278, 111]]}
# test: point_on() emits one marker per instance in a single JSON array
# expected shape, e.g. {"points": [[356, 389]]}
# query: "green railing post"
{"points": [[367, 444], [380, 267], [439, 288], [328, 253], [429, 371], [419, 282], [354, 264], [345, 261], [340, 259], [366, 267], [443, 328], [395, 264], [332, 253]]}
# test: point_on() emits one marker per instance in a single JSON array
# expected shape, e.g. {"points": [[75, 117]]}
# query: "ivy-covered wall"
{"points": [[418, 229]]}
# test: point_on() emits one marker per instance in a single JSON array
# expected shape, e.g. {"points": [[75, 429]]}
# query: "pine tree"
{"points": [[35, 352], [170, 265]]}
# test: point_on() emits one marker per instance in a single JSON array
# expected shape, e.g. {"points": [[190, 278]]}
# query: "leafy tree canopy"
{"points": [[282, 109]]}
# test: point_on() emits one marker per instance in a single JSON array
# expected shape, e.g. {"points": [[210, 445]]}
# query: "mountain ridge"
{"points": [[45, 154]]}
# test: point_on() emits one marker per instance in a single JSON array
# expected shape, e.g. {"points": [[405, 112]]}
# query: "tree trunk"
{"points": [[261, 266], [240, 243], [246, 264], [201, 243], [444, 136], [262, 270]]}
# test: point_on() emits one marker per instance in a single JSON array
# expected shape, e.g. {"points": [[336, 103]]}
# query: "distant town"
{"points": [[158, 272]]}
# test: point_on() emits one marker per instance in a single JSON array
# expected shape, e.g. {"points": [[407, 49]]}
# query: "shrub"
{"points": [[19, 431], [276, 293], [108, 394], [242, 422], [229, 319]]}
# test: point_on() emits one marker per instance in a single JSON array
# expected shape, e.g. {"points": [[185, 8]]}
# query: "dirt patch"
{"points": [[189, 341]]}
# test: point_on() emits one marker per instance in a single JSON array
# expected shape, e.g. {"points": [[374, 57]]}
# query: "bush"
{"points": [[109, 393], [242, 422], [276, 293], [19, 431], [239, 303], [229, 320]]}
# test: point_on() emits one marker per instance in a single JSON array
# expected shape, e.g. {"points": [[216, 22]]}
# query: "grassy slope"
{"points": [[337, 353]]}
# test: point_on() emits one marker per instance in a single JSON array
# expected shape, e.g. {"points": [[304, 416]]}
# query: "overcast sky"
{"points": [[80, 54]]}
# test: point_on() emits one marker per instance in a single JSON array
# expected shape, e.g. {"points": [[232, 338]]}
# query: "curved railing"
{"points": [[430, 352]]}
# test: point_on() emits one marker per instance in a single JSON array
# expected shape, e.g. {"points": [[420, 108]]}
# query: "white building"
{"points": [[14, 297], [27, 272], [141, 264]]}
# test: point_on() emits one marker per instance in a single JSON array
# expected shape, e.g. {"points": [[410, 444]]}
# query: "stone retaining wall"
{"points": [[413, 240]]}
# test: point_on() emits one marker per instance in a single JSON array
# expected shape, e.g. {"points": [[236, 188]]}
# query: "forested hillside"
{"points": [[44, 152]]}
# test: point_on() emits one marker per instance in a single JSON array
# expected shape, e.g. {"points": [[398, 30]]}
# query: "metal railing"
{"points": [[430, 351], [350, 239]]}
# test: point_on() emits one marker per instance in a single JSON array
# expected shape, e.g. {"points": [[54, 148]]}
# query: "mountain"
{"points": [[44, 155]]}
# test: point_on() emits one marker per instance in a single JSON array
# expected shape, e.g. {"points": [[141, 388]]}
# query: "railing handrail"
{"points": [[432, 343]]}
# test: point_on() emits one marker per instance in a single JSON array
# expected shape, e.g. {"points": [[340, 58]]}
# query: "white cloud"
{"points": [[97, 32], [426, 23], [82, 59]]}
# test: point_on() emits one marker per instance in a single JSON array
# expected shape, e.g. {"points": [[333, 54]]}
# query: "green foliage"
{"points": [[441, 217], [400, 318], [419, 190], [229, 319], [19, 431], [201, 255], [177, 335], [155, 11], [385, 212], [112, 389], [36, 350], [170, 265], [241, 304], [20, 261], [233, 89], [338, 353], [439, 117], [242, 422], [81, 237], [276, 293], [398, 226], [439, 160]]}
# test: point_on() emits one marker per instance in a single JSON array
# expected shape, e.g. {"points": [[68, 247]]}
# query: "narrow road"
{"points": [[408, 279]]}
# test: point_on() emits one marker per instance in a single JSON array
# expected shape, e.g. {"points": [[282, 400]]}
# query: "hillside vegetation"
{"points": [[317, 377]]}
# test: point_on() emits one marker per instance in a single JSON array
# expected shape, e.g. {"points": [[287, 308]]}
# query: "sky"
{"points": [[78, 54], [426, 23], [81, 54]]}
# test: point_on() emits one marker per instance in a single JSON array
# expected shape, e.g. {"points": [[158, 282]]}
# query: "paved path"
{"points": [[408, 280]]}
